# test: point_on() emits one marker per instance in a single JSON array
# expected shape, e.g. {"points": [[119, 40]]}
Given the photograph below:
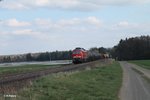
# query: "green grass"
{"points": [[24, 68], [101, 83], [142, 63]]}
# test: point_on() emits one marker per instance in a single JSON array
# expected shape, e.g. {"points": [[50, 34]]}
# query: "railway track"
{"points": [[22, 77]]}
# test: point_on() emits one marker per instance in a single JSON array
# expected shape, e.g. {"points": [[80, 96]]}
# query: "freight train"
{"points": [[80, 55]]}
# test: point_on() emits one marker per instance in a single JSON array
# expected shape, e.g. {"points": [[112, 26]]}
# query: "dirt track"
{"points": [[135, 87]]}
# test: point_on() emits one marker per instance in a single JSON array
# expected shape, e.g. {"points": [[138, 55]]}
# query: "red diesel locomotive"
{"points": [[79, 55]]}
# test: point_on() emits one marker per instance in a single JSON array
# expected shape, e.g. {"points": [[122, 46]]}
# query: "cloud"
{"points": [[41, 2], [40, 27], [116, 2], [13, 5], [24, 32], [15, 23], [50, 30], [48, 25], [125, 29], [80, 5], [93, 21], [69, 23], [125, 25], [29, 4], [42, 22]]}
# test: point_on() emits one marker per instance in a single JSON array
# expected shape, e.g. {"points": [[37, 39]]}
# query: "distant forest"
{"points": [[136, 48], [45, 56]]}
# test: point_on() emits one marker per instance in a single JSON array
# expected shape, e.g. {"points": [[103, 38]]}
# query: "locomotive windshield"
{"points": [[76, 52]]}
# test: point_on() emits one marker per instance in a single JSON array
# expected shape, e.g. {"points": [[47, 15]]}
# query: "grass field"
{"points": [[142, 63], [101, 83], [24, 68]]}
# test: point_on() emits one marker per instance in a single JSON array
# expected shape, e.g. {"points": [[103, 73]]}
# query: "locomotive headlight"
{"points": [[77, 57]]}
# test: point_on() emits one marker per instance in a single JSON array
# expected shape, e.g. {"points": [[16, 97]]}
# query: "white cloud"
{"points": [[69, 23], [3, 33], [125, 25], [23, 32], [62, 4], [94, 21], [48, 29], [44, 27], [13, 5], [116, 2], [43, 22], [31, 33], [41, 2], [82, 5], [15, 23], [26, 4]]}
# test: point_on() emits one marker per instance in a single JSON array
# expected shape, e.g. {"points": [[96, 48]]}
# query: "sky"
{"points": [[50, 25]]}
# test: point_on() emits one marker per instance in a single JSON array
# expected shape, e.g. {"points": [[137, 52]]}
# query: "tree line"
{"points": [[44, 56], [136, 48], [48, 56]]}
